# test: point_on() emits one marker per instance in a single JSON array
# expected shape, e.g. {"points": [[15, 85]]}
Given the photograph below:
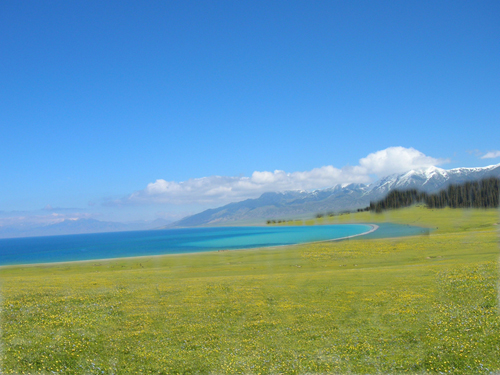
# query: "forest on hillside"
{"points": [[472, 194]]}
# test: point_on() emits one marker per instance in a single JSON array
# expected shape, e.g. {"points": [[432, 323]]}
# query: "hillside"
{"points": [[293, 204]]}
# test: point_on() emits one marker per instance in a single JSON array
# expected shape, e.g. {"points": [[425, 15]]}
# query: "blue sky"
{"points": [[109, 109]]}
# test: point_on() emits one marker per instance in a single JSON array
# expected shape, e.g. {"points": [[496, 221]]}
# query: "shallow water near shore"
{"points": [[35, 250]]}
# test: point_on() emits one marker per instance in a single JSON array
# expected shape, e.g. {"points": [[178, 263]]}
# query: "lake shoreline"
{"points": [[373, 228]]}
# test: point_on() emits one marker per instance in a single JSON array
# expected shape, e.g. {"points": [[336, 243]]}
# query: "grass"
{"points": [[419, 305]]}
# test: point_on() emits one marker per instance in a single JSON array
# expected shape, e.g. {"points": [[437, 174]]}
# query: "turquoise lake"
{"points": [[178, 241]]}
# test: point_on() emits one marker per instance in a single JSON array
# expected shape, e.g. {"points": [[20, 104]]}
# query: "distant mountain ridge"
{"points": [[432, 179], [290, 204], [76, 226]]}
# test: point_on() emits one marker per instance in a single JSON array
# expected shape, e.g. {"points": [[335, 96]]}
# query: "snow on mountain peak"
{"points": [[434, 171]]}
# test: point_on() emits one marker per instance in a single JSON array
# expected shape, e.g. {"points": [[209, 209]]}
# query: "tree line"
{"points": [[471, 194]]}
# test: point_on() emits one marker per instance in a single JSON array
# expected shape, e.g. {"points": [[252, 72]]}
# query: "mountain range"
{"points": [[76, 226], [273, 205], [297, 204]]}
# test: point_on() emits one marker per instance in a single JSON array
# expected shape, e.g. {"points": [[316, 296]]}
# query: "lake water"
{"points": [[177, 241]]}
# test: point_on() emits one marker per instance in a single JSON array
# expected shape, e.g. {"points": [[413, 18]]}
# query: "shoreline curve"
{"points": [[374, 227]]}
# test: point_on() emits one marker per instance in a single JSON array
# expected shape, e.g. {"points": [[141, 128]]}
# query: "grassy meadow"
{"points": [[426, 304]]}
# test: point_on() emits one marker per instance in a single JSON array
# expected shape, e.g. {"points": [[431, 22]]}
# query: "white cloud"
{"points": [[223, 189], [491, 155], [397, 160]]}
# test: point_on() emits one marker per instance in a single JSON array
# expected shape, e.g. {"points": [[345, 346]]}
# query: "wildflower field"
{"points": [[422, 305]]}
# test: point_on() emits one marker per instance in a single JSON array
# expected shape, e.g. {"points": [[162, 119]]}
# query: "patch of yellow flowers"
{"points": [[414, 305]]}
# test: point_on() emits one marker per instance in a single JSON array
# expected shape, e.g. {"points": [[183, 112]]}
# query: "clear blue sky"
{"points": [[100, 99]]}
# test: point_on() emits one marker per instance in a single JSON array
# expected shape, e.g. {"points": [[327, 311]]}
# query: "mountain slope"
{"points": [[291, 204], [432, 179]]}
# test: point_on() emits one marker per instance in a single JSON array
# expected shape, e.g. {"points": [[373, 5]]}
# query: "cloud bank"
{"points": [[491, 155], [223, 189]]}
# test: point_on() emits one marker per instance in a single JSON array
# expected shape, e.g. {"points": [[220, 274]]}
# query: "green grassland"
{"points": [[426, 304]]}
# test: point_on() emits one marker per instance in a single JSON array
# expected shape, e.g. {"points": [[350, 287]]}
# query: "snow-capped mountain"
{"points": [[290, 204], [427, 179], [431, 179]]}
